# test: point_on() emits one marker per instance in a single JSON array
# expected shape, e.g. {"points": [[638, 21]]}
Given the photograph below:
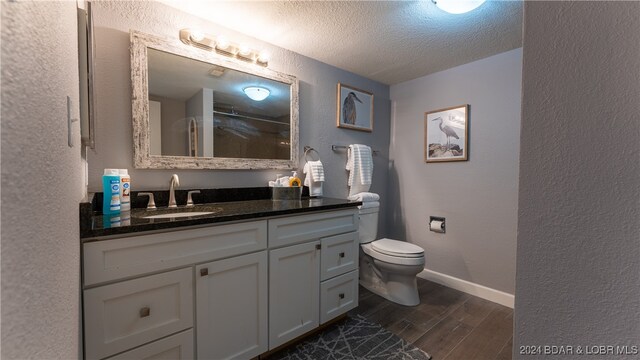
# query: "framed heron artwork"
{"points": [[446, 134], [355, 108]]}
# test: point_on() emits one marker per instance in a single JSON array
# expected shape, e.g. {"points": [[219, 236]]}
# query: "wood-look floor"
{"points": [[448, 324]]}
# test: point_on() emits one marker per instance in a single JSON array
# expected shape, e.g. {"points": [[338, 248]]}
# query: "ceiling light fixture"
{"points": [[223, 46], [457, 6], [256, 93]]}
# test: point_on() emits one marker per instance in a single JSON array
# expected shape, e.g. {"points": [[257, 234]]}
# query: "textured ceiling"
{"points": [[388, 41]]}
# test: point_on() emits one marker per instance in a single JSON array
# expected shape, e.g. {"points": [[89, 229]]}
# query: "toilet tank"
{"points": [[368, 229]]}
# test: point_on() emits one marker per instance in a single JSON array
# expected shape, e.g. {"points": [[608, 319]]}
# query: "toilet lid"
{"points": [[397, 248]]}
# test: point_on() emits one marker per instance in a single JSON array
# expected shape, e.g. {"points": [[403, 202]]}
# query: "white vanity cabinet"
{"points": [[224, 291]]}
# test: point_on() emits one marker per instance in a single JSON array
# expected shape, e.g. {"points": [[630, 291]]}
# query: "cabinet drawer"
{"points": [[296, 229], [119, 258], [130, 313], [174, 347], [339, 255], [338, 295]]}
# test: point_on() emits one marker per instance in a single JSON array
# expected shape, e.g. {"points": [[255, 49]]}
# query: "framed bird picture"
{"points": [[355, 108], [446, 134]]}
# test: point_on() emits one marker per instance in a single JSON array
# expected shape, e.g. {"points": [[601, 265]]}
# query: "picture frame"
{"points": [[446, 134], [354, 108]]}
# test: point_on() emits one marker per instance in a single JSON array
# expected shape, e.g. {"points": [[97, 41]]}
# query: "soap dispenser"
{"points": [[295, 180]]}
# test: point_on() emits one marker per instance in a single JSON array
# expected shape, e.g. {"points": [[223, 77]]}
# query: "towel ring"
{"points": [[307, 150]]}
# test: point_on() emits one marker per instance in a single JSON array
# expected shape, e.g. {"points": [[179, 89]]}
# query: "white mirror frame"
{"points": [[142, 158]]}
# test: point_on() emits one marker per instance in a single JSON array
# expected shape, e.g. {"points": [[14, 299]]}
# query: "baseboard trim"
{"points": [[468, 287]]}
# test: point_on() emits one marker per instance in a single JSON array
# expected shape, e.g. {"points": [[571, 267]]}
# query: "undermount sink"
{"points": [[176, 213], [179, 215]]}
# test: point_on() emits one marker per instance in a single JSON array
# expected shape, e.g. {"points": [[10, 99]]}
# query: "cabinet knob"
{"points": [[341, 296], [341, 254], [318, 246], [145, 311], [204, 272]]}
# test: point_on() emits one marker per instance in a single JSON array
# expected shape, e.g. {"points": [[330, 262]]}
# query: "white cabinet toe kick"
{"points": [[230, 291]]}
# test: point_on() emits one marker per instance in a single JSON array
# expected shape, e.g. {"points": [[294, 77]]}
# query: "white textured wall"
{"points": [[478, 197], [578, 262], [318, 83], [42, 182]]}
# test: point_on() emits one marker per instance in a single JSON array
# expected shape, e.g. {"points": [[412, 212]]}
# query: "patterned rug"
{"points": [[354, 338]]}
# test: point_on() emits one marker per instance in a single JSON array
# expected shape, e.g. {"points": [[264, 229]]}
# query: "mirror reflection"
{"points": [[199, 109]]}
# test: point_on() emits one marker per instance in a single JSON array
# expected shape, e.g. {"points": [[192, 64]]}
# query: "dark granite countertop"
{"points": [[94, 226]]}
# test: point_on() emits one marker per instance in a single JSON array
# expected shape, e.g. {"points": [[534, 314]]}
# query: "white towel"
{"points": [[360, 164], [365, 197], [317, 170], [310, 180], [370, 204], [360, 167]]}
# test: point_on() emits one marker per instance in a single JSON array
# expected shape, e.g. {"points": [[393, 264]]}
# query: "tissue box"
{"points": [[286, 193]]}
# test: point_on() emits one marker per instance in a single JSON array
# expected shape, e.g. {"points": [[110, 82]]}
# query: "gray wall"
{"points": [[318, 82], [42, 182], [578, 257], [478, 197]]}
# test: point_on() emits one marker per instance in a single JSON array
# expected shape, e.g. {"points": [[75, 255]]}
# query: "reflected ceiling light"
{"points": [[457, 6], [256, 93]]}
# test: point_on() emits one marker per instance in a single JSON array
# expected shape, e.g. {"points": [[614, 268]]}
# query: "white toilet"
{"points": [[388, 267]]}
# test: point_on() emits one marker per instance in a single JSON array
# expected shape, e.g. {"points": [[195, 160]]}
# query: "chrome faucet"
{"points": [[173, 184]]}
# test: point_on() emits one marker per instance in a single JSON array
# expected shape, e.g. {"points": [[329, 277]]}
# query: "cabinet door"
{"points": [[294, 286], [231, 306]]}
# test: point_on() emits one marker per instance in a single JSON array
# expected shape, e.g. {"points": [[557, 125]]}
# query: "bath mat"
{"points": [[354, 338]]}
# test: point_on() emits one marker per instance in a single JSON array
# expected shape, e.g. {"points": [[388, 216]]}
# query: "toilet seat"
{"points": [[399, 260], [397, 248]]}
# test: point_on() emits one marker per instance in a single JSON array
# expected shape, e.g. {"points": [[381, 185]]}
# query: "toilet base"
{"points": [[396, 283]]}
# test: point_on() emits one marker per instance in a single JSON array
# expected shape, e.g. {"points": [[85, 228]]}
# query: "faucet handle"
{"points": [[189, 199], [152, 204]]}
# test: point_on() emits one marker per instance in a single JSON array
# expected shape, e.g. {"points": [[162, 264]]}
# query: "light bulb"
{"points": [[457, 6], [222, 43], [196, 35], [244, 50], [263, 57]]}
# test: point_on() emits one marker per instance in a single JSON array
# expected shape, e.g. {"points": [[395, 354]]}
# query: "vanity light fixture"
{"points": [[457, 6], [223, 46], [256, 93]]}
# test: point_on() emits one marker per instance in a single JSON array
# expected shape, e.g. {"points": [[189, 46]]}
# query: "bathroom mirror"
{"points": [[194, 109]]}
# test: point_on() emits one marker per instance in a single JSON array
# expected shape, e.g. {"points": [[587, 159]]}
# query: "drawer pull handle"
{"points": [[341, 254], [317, 246], [204, 271], [341, 296], [145, 311]]}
